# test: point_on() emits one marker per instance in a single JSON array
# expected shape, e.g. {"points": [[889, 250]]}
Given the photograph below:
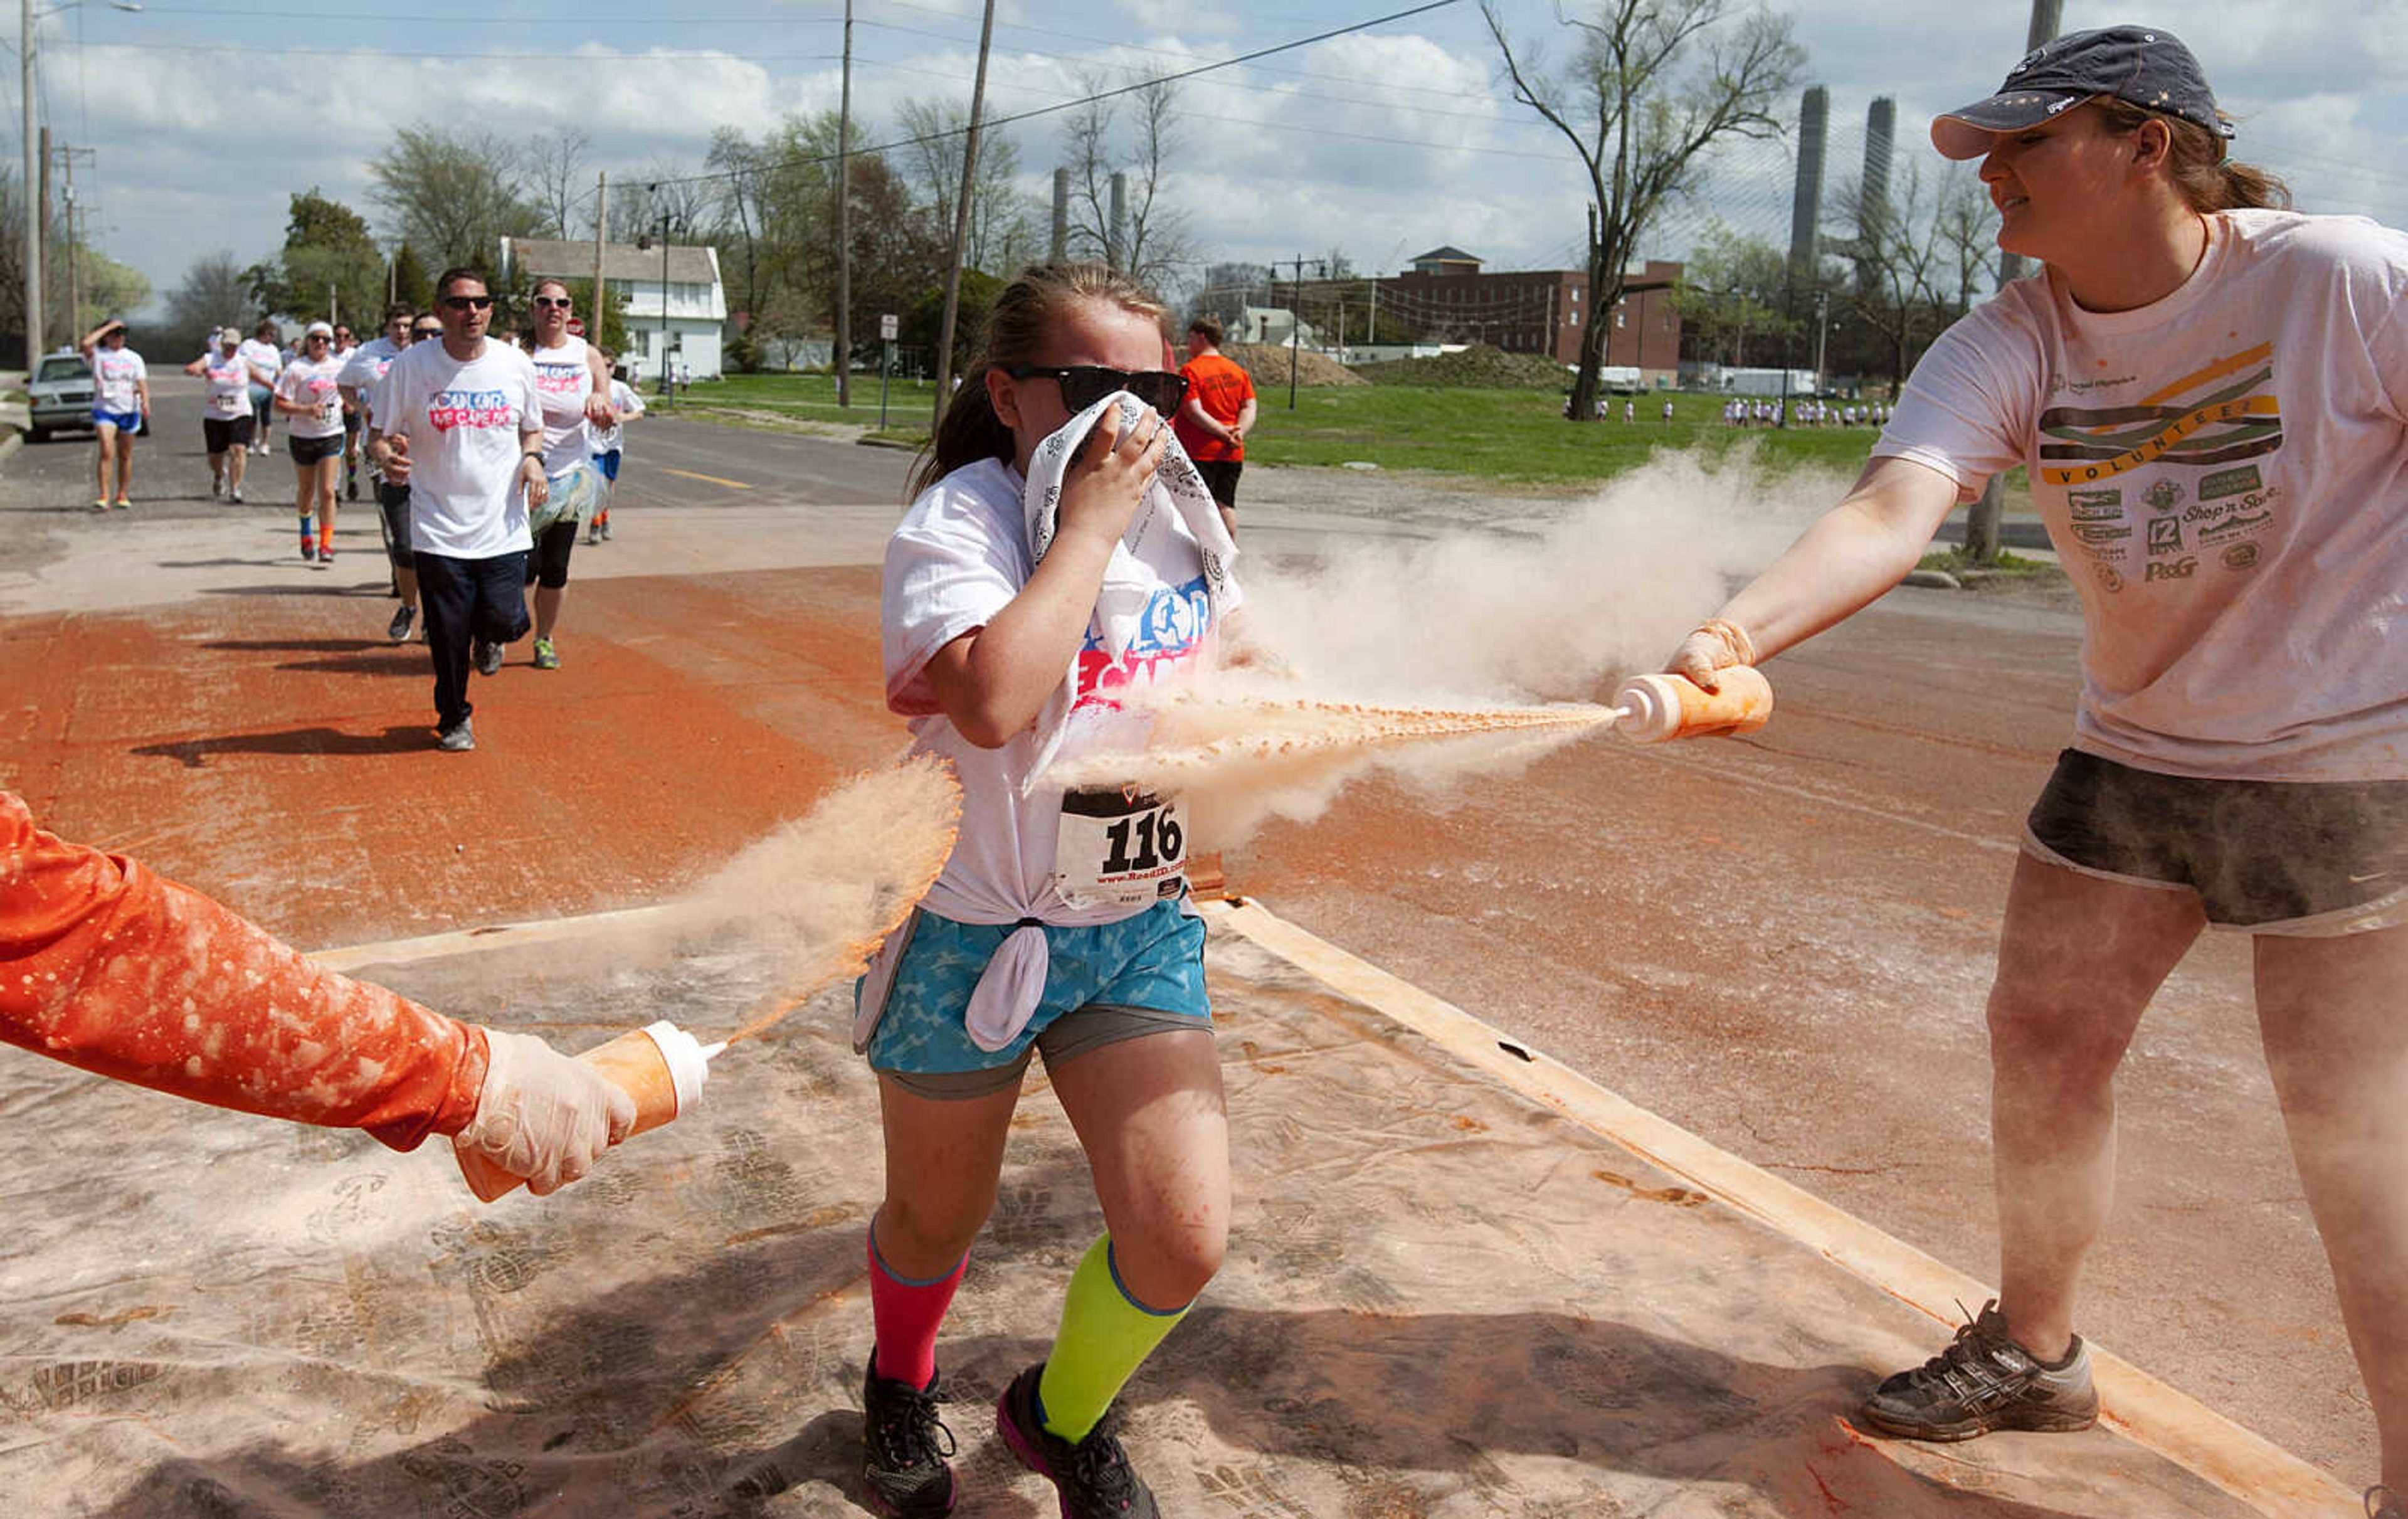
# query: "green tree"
{"points": [[452, 193], [103, 289], [410, 279], [923, 324], [1731, 297], [330, 266], [214, 295], [1650, 86]]}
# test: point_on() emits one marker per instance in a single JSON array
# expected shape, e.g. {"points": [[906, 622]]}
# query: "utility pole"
{"points": [[42, 201], [962, 223], [75, 245], [601, 235], [1294, 317], [31, 178], [844, 223]]}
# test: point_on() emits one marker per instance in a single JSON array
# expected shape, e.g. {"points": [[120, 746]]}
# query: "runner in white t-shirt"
{"points": [[575, 385], [626, 406], [263, 351], [120, 407], [360, 372], [459, 422], [2211, 401], [1058, 925], [225, 411], [309, 396]]}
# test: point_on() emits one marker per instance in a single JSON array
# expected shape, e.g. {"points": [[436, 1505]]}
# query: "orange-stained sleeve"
{"points": [[107, 965]]}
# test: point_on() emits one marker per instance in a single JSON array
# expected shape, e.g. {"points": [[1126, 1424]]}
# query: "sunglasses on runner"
{"points": [[425, 332], [561, 301], [1084, 384], [467, 303]]}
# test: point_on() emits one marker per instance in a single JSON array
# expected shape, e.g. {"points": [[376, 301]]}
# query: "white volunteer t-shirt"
{"points": [[304, 383], [115, 375], [960, 554], [463, 420], [263, 356], [2225, 473], [628, 404], [365, 365], [226, 381], [563, 377]]}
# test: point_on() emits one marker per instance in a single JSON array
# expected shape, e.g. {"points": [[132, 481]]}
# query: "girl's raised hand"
{"points": [[1109, 475]]}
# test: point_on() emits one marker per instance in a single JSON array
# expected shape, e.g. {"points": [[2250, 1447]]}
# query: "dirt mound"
{"points": [[1477, 367], [1269, 362]]}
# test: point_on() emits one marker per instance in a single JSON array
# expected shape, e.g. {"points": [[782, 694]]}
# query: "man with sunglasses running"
{"points": [[459, 424]]}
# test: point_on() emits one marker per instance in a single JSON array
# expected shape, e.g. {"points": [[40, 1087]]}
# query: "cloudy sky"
{"points": [[203, 116]]}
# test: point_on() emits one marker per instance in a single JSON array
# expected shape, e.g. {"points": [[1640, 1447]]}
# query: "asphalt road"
{"points": [[1782, 942]]}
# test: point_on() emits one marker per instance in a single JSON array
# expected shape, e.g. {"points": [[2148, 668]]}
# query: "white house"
{"points": [[696, 302]]}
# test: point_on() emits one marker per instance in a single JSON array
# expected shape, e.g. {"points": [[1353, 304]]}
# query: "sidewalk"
{"points": [[1462, 1280]]}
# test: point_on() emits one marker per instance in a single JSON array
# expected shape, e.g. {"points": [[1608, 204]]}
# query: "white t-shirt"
{"points": [[365, 365], [463, 420], [304, 383], [628, 404], [960, 554], [263, 357], [2226, 475], [563, 377], [226, 385], [116, 373]]}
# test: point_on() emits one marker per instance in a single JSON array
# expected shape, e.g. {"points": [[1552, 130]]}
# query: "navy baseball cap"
{"points": [[2145, 65]]}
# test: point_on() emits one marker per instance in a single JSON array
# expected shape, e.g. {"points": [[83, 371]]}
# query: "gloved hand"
{"points": [[542, 1115], [1717, 645]]}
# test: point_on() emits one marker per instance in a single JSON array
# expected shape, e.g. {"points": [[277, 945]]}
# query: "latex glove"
{"points": [[1716, 645], [542, 1115]]}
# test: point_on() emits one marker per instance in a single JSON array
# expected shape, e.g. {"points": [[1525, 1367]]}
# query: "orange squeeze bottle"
{"points": [[1654, 707], [661, 1066]]}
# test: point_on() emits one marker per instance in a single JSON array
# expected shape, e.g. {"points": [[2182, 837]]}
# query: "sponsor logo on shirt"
{"points": [[2241, 557], [2224, 411], [2230, 482], [2101, 532], [2176, 569], [2165, 535], [2163, 495], [2095, 506], [1171, 629], [482, 409]]}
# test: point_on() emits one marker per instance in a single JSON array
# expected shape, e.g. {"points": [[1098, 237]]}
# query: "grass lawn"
{"points": [[1517, 436]]}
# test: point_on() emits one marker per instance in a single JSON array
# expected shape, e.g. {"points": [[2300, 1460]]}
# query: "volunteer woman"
{"points": [[575, 385], [2209, 393], [120, 407], [225, 412], [308, 395], [1039, 938]]}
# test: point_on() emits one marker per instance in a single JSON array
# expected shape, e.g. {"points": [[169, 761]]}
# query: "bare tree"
{"points": [[1128, 134], [1652, 84], [1003, 231], [453, 194], [1918, 254], [554, 172]]}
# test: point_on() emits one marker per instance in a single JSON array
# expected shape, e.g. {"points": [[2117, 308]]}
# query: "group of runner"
{"points": [[1805, 411]]}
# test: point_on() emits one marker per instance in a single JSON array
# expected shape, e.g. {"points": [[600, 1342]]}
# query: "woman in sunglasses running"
{"points": [[309, 396], [1040, 937], [575, 385]]}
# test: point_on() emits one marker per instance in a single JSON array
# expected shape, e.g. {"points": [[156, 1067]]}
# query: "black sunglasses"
{"points": [[467, 303], [1084, 384], [425, 332]]}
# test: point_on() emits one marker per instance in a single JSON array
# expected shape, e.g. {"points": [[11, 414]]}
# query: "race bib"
{"points": [[1119, 846]]}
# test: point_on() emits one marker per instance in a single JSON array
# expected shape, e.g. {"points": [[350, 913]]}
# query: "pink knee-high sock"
{"points": [[907, 1314]]}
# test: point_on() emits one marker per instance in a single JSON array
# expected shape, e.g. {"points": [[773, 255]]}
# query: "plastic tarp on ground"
{"points": [[1441, 1300]]}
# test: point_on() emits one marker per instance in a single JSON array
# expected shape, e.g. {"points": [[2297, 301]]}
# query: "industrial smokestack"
{"points": [[1881, 131], [1806, 209]]}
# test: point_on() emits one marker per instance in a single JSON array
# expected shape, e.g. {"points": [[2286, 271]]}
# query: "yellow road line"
{"points": [[688, 473]]}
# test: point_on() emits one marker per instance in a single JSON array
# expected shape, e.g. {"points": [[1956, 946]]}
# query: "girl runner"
{"points": [[575, 385], [309, 390], [225, 412], [626, 406], [2209, 393], [1001, 658], [120, 407], [266, 361]]}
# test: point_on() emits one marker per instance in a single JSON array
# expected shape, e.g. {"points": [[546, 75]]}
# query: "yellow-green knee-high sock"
{"points": [[1106, 1334]]}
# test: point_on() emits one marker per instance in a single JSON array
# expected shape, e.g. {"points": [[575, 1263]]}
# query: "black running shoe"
{"points": [[1984, 1381], [1094, 1477], [398, 629], [903, 1448]]}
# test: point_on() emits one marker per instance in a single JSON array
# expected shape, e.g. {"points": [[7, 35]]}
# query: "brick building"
{"points": [[1445, 295]]}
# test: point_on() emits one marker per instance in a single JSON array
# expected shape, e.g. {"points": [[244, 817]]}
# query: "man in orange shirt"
{"points": [[1218, 414]]}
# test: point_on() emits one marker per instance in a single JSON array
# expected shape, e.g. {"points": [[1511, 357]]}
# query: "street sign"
{"points": [[576, 326], [890, 327]]}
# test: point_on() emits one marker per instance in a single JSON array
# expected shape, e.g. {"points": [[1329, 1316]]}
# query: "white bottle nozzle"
{"points": [[712, 1052]]}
